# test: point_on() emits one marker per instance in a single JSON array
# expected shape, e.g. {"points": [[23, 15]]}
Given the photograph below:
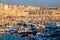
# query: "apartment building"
{"points": [[16, 13]]}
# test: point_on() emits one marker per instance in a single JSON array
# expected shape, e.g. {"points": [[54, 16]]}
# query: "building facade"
{"points": [[14, 13]]}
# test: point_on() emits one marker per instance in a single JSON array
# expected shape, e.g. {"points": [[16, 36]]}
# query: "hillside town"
{"points": [[30, 21], [16, 13]]}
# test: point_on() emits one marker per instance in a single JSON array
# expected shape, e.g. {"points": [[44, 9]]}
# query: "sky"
{"points": [[53, 3]]}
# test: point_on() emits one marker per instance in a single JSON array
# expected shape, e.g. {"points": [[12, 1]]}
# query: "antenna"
{"points": [[46, 11], [22, 2]]}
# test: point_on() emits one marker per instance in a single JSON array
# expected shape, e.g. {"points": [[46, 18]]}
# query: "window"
{"points": [[31, 12], [42, 12], [50, 12], [57, 13]]}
